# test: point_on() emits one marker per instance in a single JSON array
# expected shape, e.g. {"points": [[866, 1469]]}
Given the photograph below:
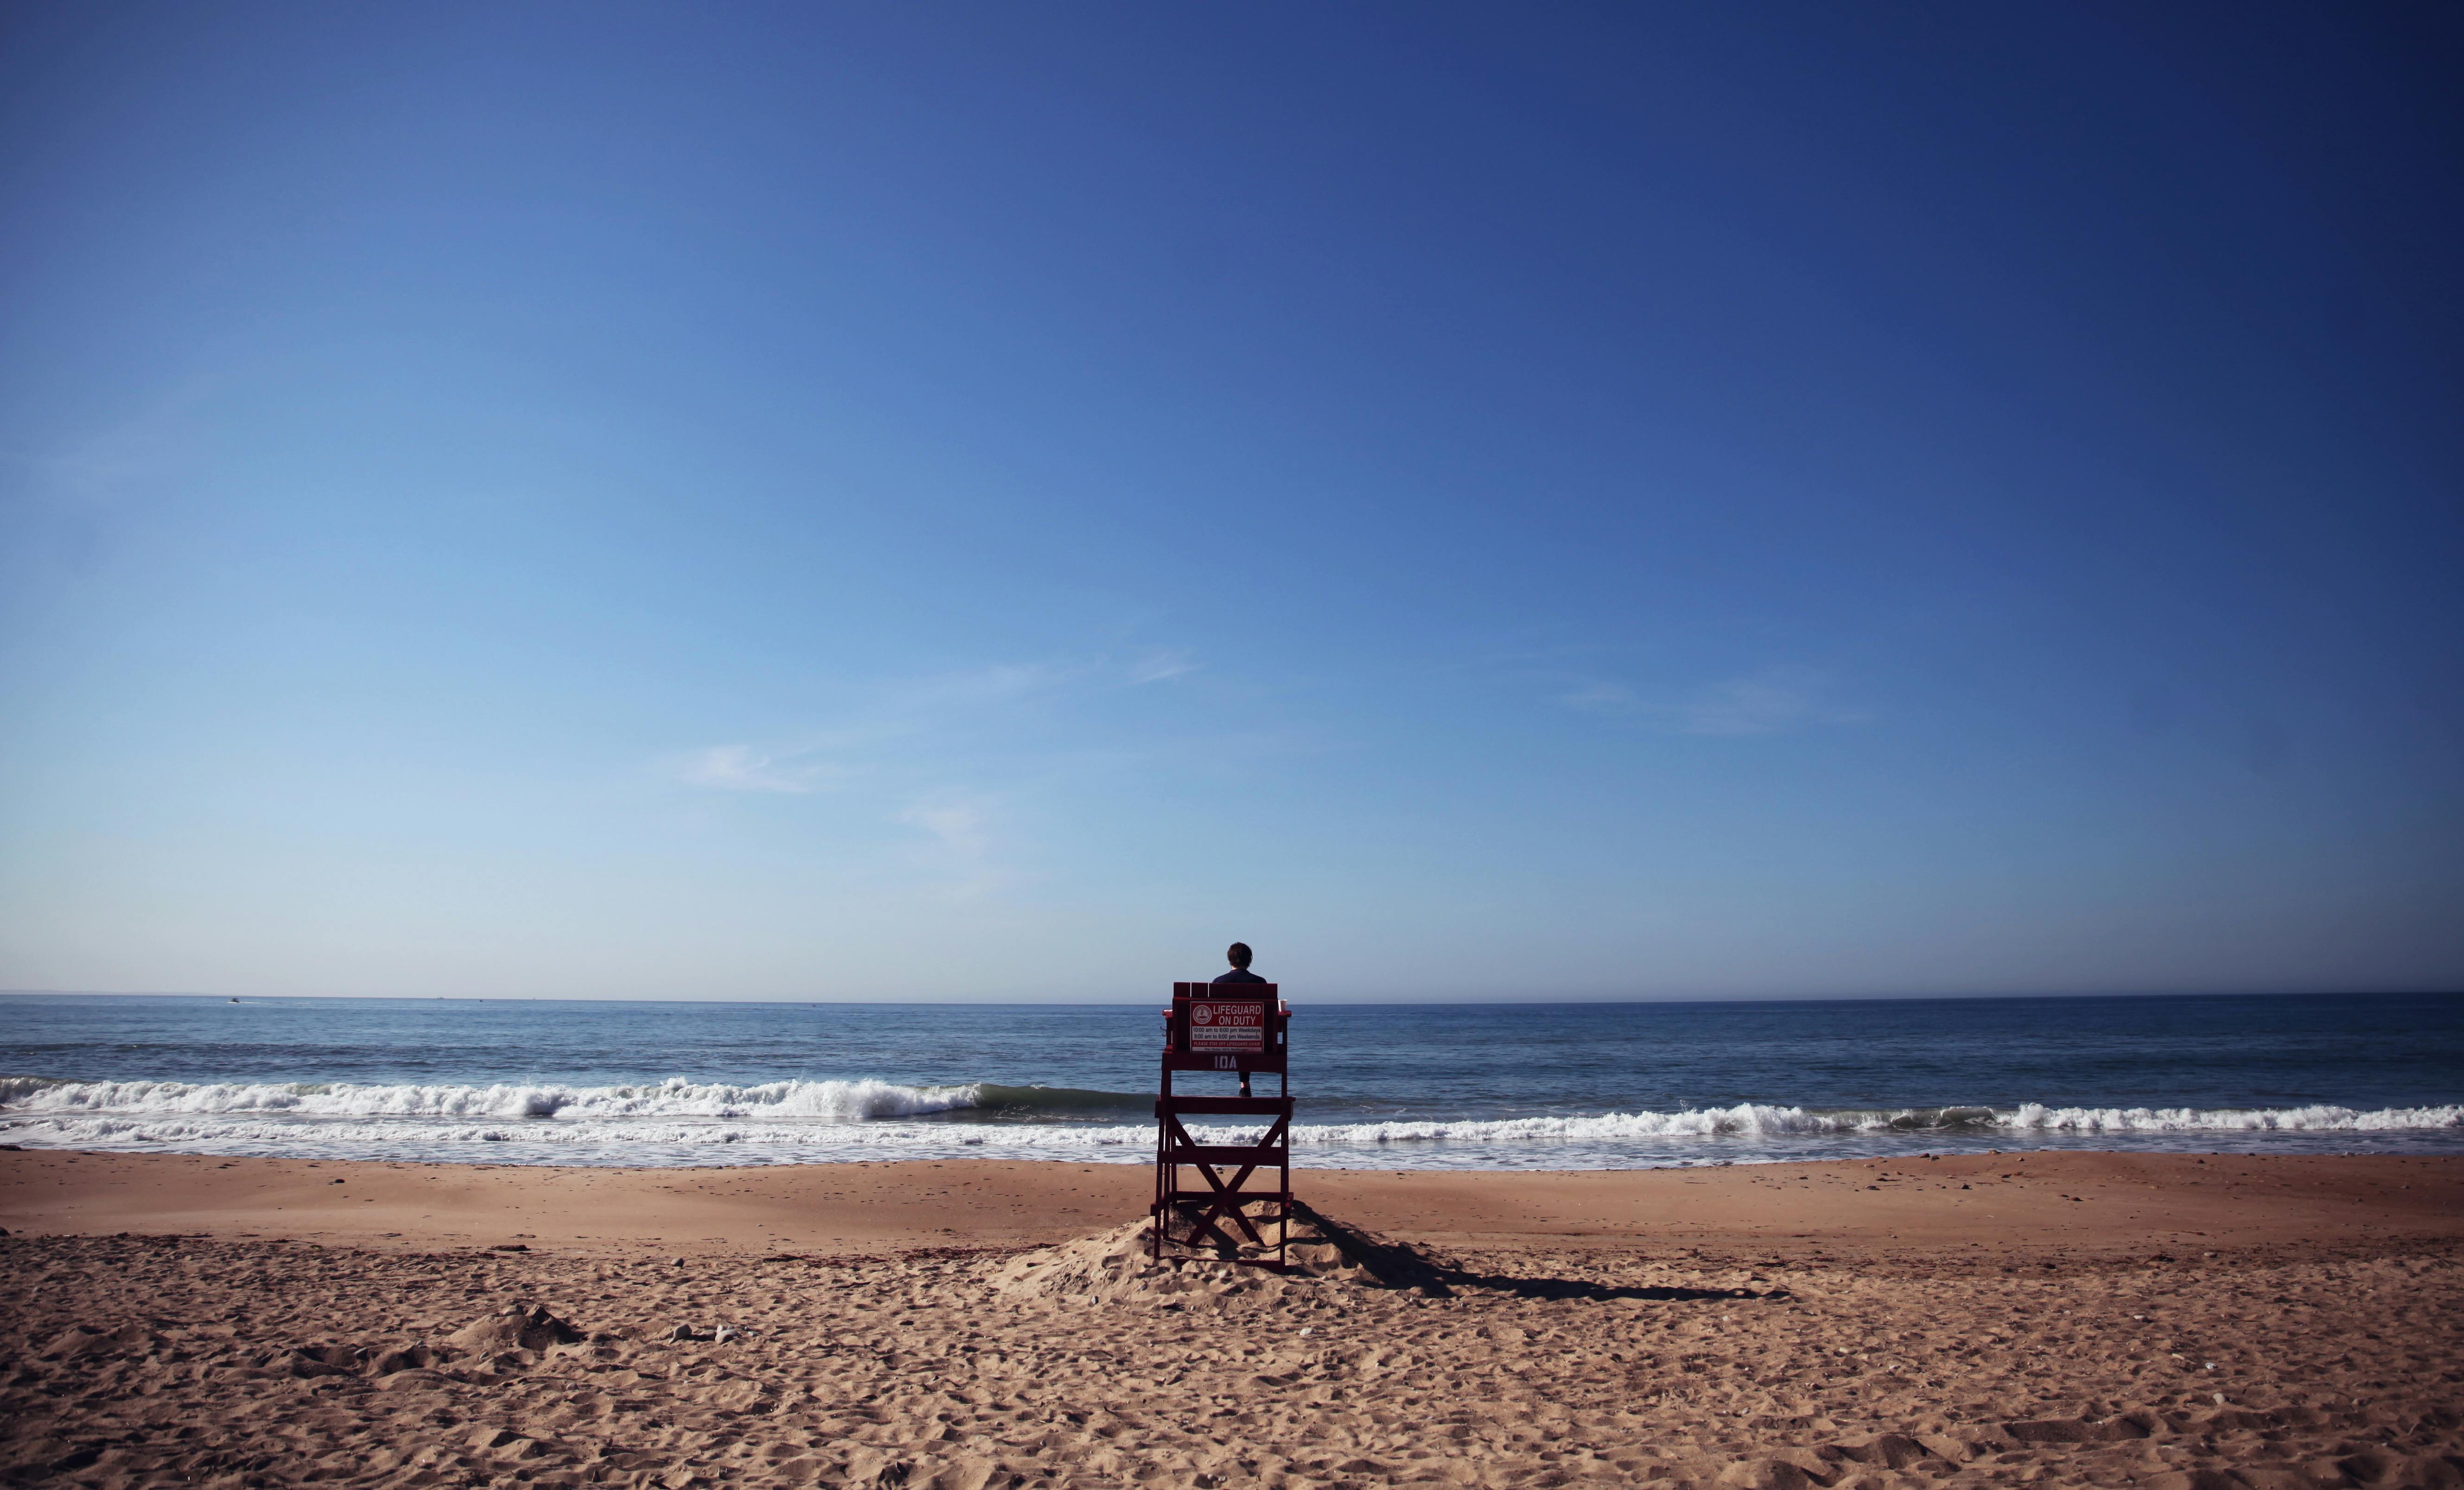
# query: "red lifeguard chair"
{"points": [[1232, 1027]]}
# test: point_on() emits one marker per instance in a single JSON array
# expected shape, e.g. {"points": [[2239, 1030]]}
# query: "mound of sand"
{"points": [[514, 1328], [1109, 1267], [1115, 1266]]}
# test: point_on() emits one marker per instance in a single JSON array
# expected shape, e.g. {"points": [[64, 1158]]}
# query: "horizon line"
{"points": [[1132, 1000]]}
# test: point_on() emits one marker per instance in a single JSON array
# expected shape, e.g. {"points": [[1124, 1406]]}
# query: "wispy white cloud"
{"points": [[747, 768], [1766, 703], [960, 829], [1158, 663], [1603, 699], [159, 441], [1769, 702], [934, 704], [960, 845], [951, 755], [978, 687], [1011, 682], [896, 712]]}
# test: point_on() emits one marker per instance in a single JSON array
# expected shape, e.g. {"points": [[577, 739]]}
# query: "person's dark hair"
{"points": [[1238, 955]]}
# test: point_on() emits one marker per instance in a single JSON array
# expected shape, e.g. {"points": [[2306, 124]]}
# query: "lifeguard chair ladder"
{"points": [[1232, 1027]]}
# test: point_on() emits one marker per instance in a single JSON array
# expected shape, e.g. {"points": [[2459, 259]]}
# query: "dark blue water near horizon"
{"points": [[1389, 1085]]}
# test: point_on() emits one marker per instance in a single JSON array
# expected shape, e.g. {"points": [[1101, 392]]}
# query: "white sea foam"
{"points": [[268, 1135], [1755, 1121], [681, 1121], [842, 1101], [2265, 1120], [1746, 1120]]}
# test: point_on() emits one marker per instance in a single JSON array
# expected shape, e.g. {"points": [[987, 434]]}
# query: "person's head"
{"points": [[1238, 954]]}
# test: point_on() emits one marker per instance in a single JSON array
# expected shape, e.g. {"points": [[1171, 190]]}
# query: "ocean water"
{"points": [[1386, 1086]]}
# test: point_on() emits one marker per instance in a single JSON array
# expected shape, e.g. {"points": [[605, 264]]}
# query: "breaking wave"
{"points": [[841, 1102], [679, 1122], [1756, 1120]]}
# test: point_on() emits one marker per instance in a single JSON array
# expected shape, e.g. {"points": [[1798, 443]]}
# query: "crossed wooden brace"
{"points": [[1184, 1150]]}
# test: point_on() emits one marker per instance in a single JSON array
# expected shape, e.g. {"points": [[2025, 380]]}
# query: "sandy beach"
{"points": [[2055, 1319]]}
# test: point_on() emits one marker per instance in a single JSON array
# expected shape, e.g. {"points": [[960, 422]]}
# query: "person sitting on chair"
{"points": [[1238, 955]]}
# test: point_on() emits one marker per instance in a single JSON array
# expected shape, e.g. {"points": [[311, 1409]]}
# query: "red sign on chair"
{"points": [[1227, 1026]]}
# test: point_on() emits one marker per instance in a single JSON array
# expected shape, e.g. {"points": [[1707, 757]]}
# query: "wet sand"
{"points": [[2059, 1319]]}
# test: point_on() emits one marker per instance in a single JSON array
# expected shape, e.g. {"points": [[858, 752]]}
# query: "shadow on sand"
{"points": [[1402, 1265]]}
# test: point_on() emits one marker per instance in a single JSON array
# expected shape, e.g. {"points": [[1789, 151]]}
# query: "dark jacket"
{"points": [[1240, 975]]}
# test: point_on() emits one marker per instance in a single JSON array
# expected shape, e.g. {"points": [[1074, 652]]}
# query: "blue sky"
{"points": [[994, 502]]}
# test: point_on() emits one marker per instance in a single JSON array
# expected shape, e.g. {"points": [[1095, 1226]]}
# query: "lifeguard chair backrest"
{"points": [[1224, 1018]]}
